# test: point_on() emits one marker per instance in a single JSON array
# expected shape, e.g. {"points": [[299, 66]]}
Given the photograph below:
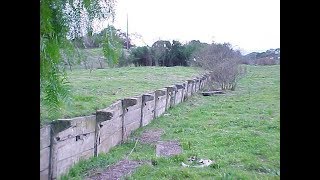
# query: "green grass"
{"points": [[239, 130], [101, 87]]}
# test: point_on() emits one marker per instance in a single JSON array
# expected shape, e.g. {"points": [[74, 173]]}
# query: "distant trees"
{"points": [[141, 56], [162, 53], [220, 59], [269, 57], [177, 55], [191, 48]]}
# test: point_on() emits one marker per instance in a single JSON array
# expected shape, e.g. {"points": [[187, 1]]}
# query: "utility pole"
{"points": [[127, 33]]}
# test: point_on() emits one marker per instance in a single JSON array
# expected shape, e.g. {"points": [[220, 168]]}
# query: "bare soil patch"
{"points": [[116, 171], [151, 136], [168, 148]]}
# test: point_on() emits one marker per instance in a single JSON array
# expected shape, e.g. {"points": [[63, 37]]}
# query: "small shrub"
{"points": [[223, 62]]}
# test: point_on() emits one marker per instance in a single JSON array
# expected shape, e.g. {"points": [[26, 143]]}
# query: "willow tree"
{"points": [[111, 45], [60, 22]]}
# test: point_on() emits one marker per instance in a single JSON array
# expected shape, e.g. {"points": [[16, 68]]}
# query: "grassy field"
{"points": [[99, 88], [240, 131]]}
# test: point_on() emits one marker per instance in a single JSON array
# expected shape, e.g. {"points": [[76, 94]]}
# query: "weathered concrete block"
{"points": [[206, 80], [64, 165], [44, 158], [106, 142], [45, 140], [148, 108], [171, 92], [70, 152], [74, 145], [197, 84], [194, 85], [190, 88], [115, 109], [45, 136], [179, 93], [71, 138], [194, 90], [185, 91], [210, 75], [202, 82], [78, 125], [108, 127], [44, 175], [131, 115], [160, 101]]}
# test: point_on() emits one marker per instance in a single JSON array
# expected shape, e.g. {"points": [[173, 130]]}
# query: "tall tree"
{"points": [[177, 55], [61, 21], [190, 49], [141, 56], [160, 50]]}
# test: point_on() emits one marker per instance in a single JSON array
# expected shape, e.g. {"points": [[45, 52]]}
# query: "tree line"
{"points": [[161, 53], [219, 58]]}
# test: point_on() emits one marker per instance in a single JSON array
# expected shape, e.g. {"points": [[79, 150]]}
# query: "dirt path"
{"points": [[116, 171], [126, 167]]}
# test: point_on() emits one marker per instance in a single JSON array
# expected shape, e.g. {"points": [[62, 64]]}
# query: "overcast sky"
{"points": [[249, 25]]}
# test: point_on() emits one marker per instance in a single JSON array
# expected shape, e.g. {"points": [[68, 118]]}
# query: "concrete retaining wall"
{"points": [[179, 93], [202, 78], [65, 141], [108, 127], [71, 140], [185, 90], [197, 84], [148, 108], [131, 115], [190, 88], [160, 101], [171, 93]]}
